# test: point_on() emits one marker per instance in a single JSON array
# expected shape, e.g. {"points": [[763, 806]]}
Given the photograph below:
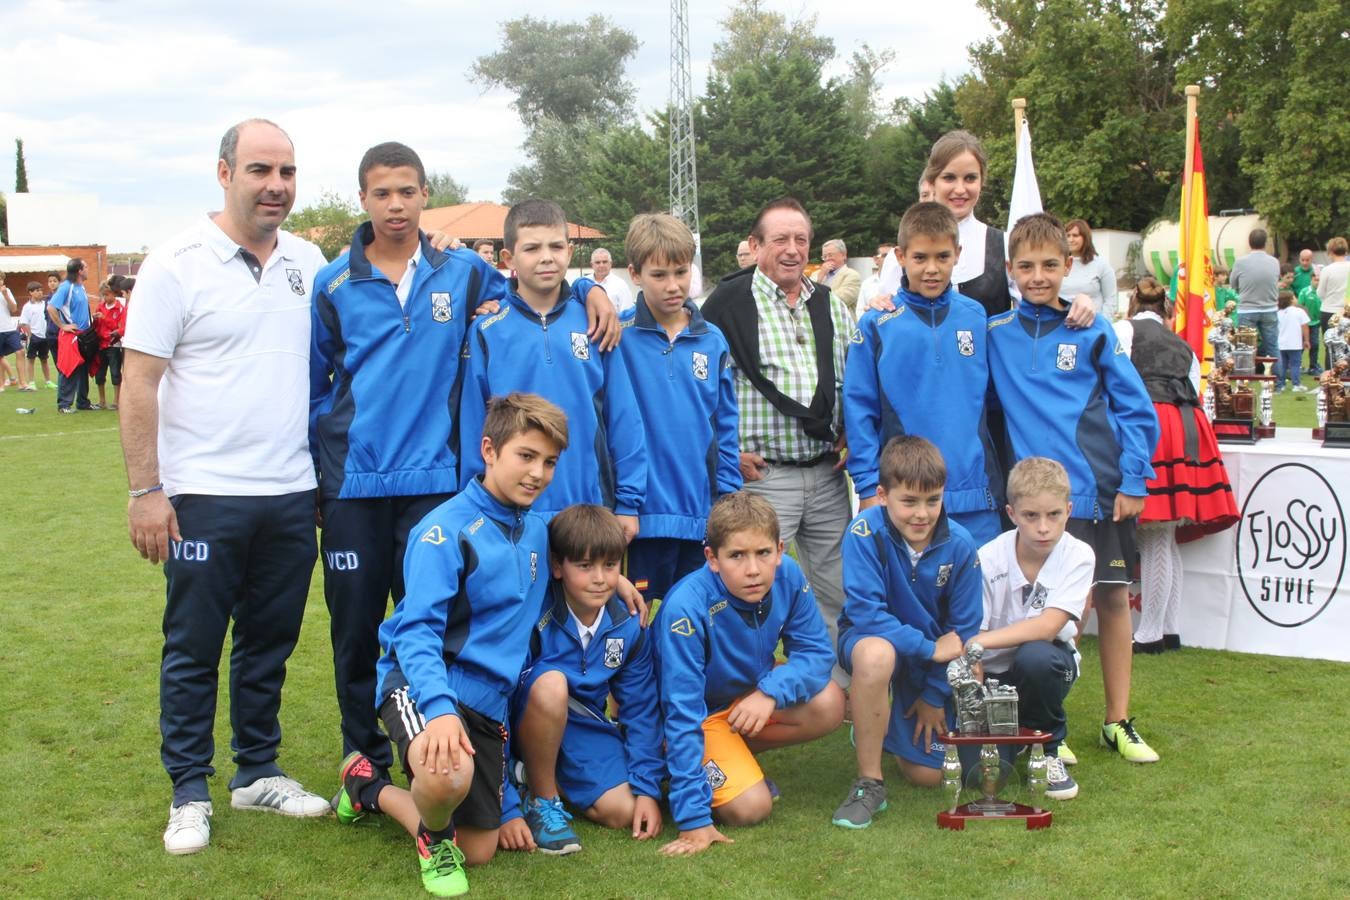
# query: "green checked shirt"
{"points": [[791, 365]]}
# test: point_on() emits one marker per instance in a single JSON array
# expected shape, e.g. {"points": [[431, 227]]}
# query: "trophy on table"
{"points": [[1239, 416], [1333, 387], [986, 715]]}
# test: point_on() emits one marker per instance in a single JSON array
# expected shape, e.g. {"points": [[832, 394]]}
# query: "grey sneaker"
{"points": [[865, 799], [279, 794], [1060, 784]]}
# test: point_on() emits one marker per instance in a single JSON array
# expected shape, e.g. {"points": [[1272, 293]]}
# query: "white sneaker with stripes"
{"points": [[279, 794]]}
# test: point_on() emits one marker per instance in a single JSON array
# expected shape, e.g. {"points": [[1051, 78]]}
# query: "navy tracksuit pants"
{"points": [[243, 558], [1042, 672], [363, 542]]}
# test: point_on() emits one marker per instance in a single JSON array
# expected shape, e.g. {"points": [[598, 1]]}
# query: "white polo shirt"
{"points": [[1063, 583], [234, 400], [619, 292]]}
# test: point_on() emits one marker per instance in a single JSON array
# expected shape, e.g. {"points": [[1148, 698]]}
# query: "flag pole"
{"points": [[1019, 106], [1192, 100]]}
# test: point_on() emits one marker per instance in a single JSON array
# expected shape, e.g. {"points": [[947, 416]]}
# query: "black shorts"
{"points": [[482, 806], [37, 347], [1114, 545]]}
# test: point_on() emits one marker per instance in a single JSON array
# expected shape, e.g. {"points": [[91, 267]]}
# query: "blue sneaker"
{"points": [[550, 825]]}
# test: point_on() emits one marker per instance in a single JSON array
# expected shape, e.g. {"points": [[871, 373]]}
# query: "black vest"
{"points": [[1164, 362], [990, 289]]}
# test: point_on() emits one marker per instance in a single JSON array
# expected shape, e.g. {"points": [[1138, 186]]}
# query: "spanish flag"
{"points": [[1195, 288]]}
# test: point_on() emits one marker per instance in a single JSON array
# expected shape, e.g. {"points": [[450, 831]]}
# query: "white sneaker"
{"points": [[279, 794], [189, 827], [1300, 389], [1060, 784]]}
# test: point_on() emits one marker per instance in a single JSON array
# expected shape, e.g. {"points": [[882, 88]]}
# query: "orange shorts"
{"points": [[727, 761]]}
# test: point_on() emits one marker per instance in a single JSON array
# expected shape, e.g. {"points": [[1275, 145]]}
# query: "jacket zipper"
{"points": [[548, 350]]}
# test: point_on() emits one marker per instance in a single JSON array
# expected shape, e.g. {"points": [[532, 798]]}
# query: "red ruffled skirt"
{"points": [[1189, 489]]}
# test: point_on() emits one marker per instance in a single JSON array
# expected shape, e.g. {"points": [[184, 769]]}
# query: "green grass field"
{"points": [[1249, 799]]}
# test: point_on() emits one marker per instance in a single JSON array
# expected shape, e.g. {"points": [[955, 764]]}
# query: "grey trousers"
{"points": [[813, 514]]}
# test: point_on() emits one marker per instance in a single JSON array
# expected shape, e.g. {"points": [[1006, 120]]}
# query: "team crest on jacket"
{"points": [[701, 366], [297, 281], [944, 574], [581, 345], [440, 306], [965, 343], [613, 652], [716, 777], [1066, 360], [1037, 598]]}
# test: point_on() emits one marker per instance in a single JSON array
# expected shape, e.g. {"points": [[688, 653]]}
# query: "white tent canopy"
{"points": [[53, 262]]}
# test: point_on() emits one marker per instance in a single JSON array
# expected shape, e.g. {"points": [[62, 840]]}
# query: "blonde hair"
{"points": [[1037, 475], [658, 236], [517, 413], [741, 511]]}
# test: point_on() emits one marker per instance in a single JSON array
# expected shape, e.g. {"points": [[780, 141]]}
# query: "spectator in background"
{"points": [[486, 250], [1303, 272], [871, 286], [834, 273], [1312, 305], [1256, 278], [744, 255], [620, 294], [33, 326], [69, 312], [1333, 280], [110, 321], [1090, 273], [10, 342]]}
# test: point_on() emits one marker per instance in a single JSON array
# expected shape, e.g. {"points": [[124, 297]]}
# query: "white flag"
{"points": [[1026, 193]]}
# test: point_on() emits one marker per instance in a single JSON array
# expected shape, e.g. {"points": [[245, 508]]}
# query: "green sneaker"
{"points": [[356, 772], [1066, 756], [442, 867], [1122, 737]]}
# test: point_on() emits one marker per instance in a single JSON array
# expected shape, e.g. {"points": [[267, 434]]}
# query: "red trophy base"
{"points": [[980, 810]]}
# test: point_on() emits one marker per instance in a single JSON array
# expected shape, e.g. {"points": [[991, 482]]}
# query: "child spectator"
{"points": [[1036, 584], [110, 320], [1189, 495], [923, 369], [11, 344], [586, 646], [1293, 321], [723, 696], [33, 326], [1312, 305], [1223, 294], [680, 366], [1074, 396], [538, 343], [911, 600], [454, 646]]}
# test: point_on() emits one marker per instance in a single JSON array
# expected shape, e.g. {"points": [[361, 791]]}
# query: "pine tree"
{"points": [[20, 168]]}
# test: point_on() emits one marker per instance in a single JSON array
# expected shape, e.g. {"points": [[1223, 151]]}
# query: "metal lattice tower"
{"points": [[683, 173]]}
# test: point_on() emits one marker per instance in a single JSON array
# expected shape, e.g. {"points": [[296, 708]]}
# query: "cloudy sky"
{"points": [[127, 99]]}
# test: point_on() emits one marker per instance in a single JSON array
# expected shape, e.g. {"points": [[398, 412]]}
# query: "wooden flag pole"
{"points": [[1192, 100], [1019, 106]]}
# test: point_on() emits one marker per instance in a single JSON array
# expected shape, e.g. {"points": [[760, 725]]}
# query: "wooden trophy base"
{"points": [[1265, 431], [991, 809]]}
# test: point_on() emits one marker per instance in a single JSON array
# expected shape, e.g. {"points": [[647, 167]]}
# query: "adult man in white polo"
{"points": [[214, 429], [617, 289]]}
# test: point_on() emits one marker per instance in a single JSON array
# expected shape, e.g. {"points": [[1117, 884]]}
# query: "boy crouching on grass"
{"points": [[722, 695], [586, 645], [911, 599], [454, 647], [1036, 582]]}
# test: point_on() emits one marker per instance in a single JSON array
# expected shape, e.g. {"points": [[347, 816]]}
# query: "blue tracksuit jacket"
{"points": [[618, 659], [712, 648], [911, 605], [924, 369], [519, 350], [1074, 396], [476, 573], [687, 395], [383, 378]]}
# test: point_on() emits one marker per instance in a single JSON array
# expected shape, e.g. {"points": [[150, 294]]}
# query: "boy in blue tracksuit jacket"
{"points": [[912, 597], [680, 366], [922, 368], [585, 646], [722, 696], [1075, 397], [538, 343], [454, 646], [381, 407]]}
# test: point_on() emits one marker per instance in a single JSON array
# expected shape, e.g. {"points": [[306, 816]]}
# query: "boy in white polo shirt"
{"points": [[1036, 583]]}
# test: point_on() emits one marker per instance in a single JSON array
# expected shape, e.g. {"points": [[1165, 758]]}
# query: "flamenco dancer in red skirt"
{"points": [[1189, 495]]}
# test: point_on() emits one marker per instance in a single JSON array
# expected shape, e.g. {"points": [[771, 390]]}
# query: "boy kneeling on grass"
{"points": [[1036, 583], [722, 696], [911, 598], [586, 645]]}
